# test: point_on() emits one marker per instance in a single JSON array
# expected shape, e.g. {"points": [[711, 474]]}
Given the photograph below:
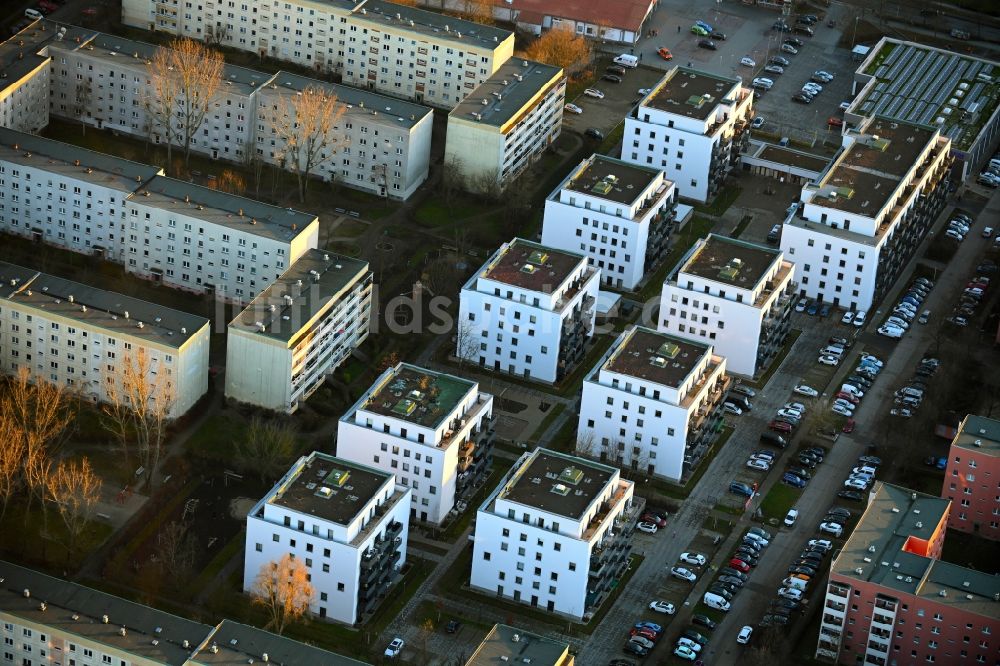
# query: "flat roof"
{"points": [[532, 266], [19, 53], [500, 646], [314, 280], [878, 551], [362, 102], [607, 178], [329, 488], [867, 174], [239, 644], [656, 357], [417, 395], [435, 26], [113, 312], [979, 434], [922, 84], [227, 210], [150, 635], [506, 92], [65, 159], [731, 261], [792, 157], [690, 92], [558, 483]]}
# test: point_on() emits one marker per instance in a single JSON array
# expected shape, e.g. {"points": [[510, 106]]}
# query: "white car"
{"points": [[689, 644], [693, 558], [395, 647], [803, 389], [797, 406], [893, 332], [845, 105], [855, 484], [812, 86], [899, 322], [790, 593], [684, 652], [988, 232], [860, 317], [748, 61], [829, 360], [846, 404], [645, 91], [791, 517], [763, 82], [848, 318], [951, 233], [823, 74], [683, 574], [759, 464], [790, 414], [662, 607], [874, 360], [593, 92], [573, 108], [821, 543], [843, 411], [648, 528], [744, 636], [836, 529]]}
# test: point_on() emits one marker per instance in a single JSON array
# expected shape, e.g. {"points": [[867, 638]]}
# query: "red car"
{"points": [[780, 426], [645, 632], [849, 425], [655, 519], [665, 53], [977, 285], [739, 565], [835, 122], [843, 395]]}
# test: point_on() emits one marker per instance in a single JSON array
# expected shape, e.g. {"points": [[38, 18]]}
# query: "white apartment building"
{"points": [[382, 145], [394, 49], [24, 88], [346, 522], [300, 329], [859, 224], [204, 240], [528, 311], [617, 214], [64, 195], [77, 336], [653, 403], [505, 124], [46, 620], [692, 125], [554, 534], [736, 296], [433, 431]]}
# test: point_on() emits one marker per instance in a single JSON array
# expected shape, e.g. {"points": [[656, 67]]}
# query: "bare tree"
{"points": [[137, 407], [74, 489], [305, 123], [176, 547], [266, 448], [466, 341], [11, 457], [478, 11], [81, 103], [586, 443], [185, 77], [284, 590]]}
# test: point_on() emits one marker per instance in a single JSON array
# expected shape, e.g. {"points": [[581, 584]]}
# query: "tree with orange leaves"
{"points": [[561, 47], [283, 589]]}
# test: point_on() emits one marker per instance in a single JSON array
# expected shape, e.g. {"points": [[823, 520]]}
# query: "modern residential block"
{"points": [[617, 214], [653, 403], [528, 311], [503, 125], [79, 336], [969, 480], [433, 431], [857, 227], [203, 240], [395, 49], [67, 622], [347, 522], [554, 533], [281, 348], [692, 125], [509, 644], [891, 598], [734, 295]]}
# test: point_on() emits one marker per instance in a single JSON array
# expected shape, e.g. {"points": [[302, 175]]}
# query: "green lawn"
{"points": [[612, 139], [778, 501], [44, 541], [214, 439]]}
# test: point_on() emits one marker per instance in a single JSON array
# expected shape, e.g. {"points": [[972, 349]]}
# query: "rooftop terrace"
{"points": [[329, 488], [532, 266], [556, 483], [506, 92], [512, 645], [655, 357], [690, 92], [979, 434], [614, 180], [418, 396], [730, 261]]}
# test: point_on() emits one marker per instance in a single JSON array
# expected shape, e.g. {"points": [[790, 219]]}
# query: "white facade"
{"points": [[652, 402], [24, 101], [505, 124], [554, 533], [434, 431], [692, 125], [394, 49], [346, 522], [300, 329], [617, 214], [528, 311], [859, 224], [79, 336], [736, 296]]}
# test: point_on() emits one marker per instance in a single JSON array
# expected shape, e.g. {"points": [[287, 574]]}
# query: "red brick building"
{"points": [[972, 478], [891, 602]]}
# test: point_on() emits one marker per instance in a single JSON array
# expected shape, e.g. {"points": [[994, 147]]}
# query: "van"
{"points": [[795, 584], [626, 60], [33, 14], [715, 601], [832, 350]]}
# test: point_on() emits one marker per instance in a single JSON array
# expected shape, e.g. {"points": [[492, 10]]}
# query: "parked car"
{"points": [[793, 480], [613, 78], [791, 517], [693, 558], [662, 607], [683, 574], [836, 529], [684, 652], [573, 108], [707, 44], [648, 528], [665, 53], [803, 389], [593, 92], [395, 647], [594, 133]]}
